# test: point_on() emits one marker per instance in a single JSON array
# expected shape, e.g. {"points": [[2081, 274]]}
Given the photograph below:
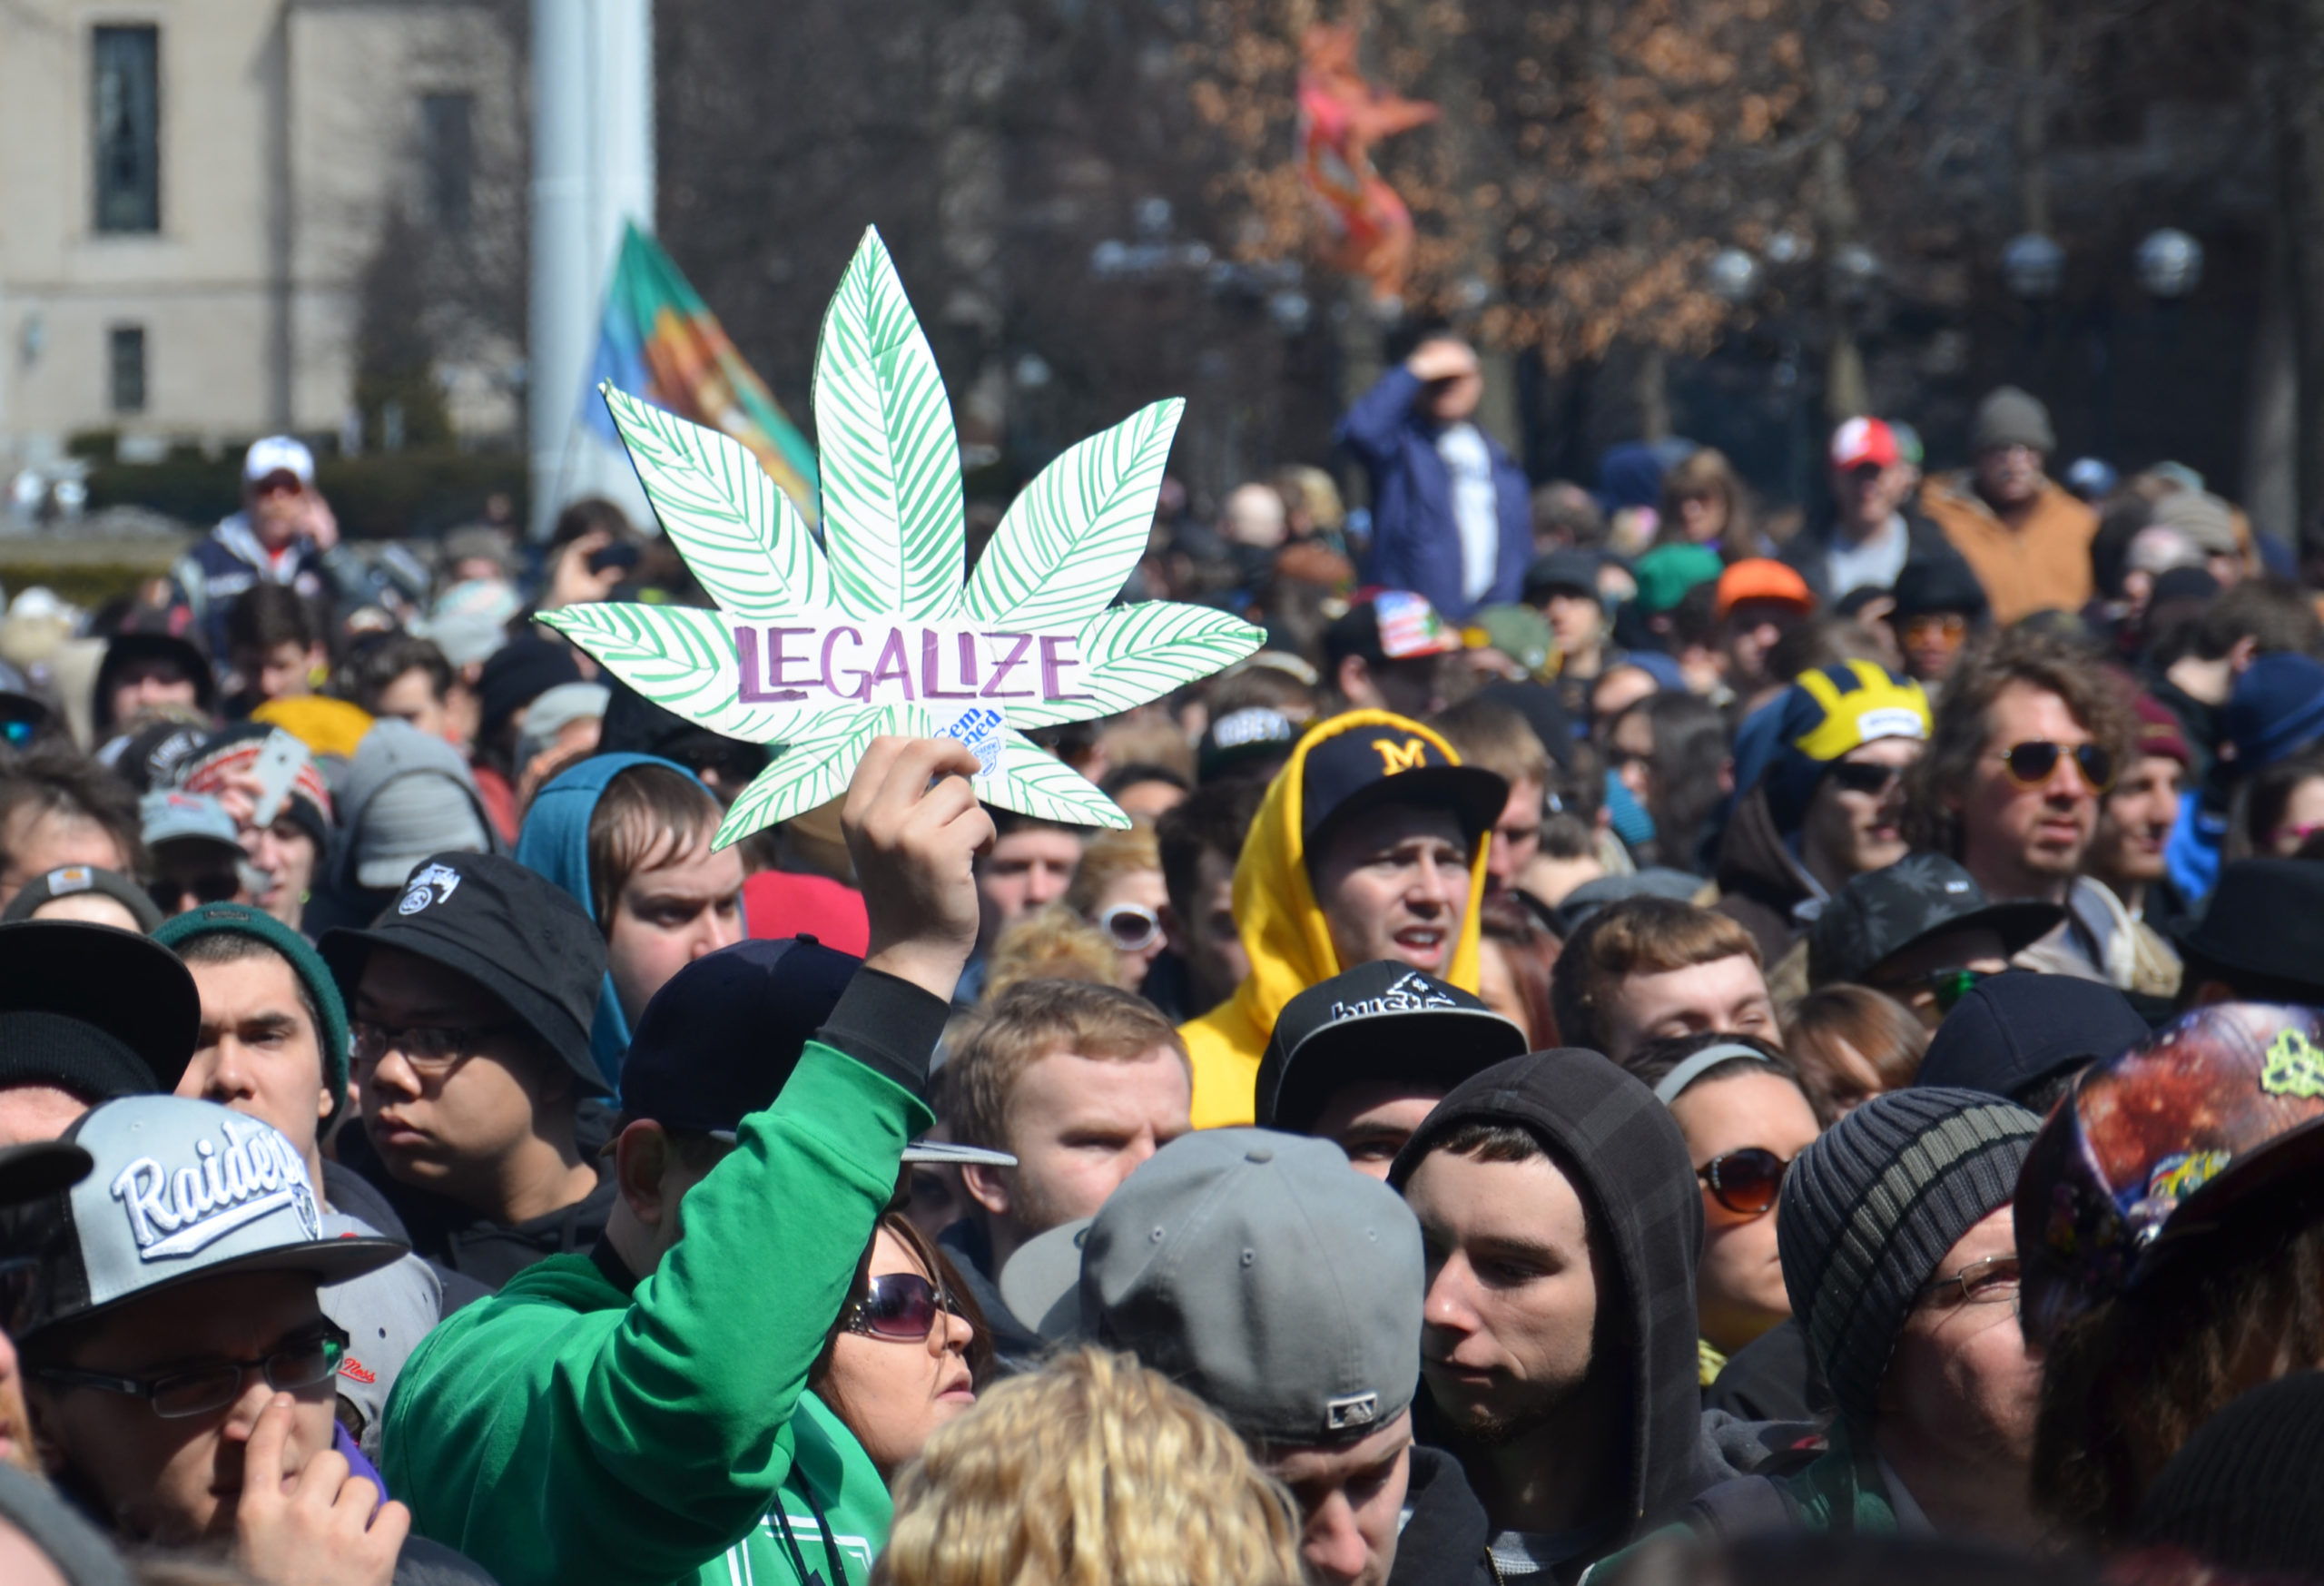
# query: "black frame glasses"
{"points": [[431, 1048], [899, 1308], [1744, 1182], [306, 1362], [2036, 760]]}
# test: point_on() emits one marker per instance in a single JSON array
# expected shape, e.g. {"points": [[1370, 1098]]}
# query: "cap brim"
{"points": [[127, 985], [1440, 1045], [327, 1261], [1475, 797], [344, 951], [2018, 924], [947, 1151], [1041, 1284], [28, 1172], [2295, 1152]]}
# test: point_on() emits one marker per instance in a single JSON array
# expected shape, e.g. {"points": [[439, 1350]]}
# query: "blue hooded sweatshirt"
{"points": [[554, 843]]}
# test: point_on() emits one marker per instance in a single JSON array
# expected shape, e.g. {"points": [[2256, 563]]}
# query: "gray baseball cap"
{"points": [[1268, 1278], [180, 1190]]}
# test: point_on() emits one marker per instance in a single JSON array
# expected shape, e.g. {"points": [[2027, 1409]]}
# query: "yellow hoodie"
{"points": [[1283, 932]]}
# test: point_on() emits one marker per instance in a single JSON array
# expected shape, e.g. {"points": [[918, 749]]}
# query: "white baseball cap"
{"points": [[278, 453]]}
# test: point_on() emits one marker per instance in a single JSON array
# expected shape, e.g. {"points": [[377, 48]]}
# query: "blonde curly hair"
{"points": [[1092, 1471]]}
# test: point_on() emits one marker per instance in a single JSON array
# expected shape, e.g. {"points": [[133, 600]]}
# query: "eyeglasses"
{"points": [[1131, 927], [1981, 1283], [900, 1308], [1857, 777], [303, 1363], [1949, 626], [2032, 763], [1744, 1181], [429, 1049]]}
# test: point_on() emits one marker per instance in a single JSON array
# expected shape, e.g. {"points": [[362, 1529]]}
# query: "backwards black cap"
{"points": [[99, 1012], [510, 930]]}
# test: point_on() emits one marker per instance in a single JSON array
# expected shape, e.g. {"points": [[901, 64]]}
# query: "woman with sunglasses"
{"points": [[1118, 887], [1745, 1116], [907, 1351]]}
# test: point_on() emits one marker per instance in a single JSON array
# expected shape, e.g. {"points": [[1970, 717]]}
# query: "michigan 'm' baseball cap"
{"points": [[1392, 762]]}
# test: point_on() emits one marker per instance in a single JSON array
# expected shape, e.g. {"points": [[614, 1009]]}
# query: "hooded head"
{"points": [[1628, 1163], [555, 843]]}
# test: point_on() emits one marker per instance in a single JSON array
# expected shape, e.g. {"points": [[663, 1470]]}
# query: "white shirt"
{"points": [[1474, 508], [1875, 562]]}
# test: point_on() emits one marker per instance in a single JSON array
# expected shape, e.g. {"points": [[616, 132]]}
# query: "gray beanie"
{"points": [[2010, 417], [1869, 1209]]}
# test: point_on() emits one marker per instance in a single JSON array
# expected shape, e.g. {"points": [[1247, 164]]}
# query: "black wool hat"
{"points": [[98, 1011], [1869, 1209], [720, 1039], [2012, 1032], [2246, 1492], [1381, 1021], [2264, 929], [503, 926]]}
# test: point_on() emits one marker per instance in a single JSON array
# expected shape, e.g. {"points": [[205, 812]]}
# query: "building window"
{"points": [[127, 140], [445, 158], [126, 375]]}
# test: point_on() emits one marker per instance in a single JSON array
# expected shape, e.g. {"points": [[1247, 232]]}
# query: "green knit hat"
{"points": [[241, 919]]}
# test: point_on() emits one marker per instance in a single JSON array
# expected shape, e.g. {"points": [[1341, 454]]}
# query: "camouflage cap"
{"points": [[2152, 1147]]}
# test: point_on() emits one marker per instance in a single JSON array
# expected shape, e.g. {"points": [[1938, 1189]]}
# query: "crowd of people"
{"points": [[1638, 1039]]}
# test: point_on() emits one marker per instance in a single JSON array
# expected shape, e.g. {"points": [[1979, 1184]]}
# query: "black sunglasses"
{"points": [[898, 1307], [1744, 1182], [2032, 763], [1859, 777]]}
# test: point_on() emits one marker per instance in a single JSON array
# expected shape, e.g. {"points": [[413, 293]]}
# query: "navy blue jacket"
{"points": [[1415, 541]]}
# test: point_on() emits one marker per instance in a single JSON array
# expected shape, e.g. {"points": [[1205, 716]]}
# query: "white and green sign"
{"points": [[815, 649]]}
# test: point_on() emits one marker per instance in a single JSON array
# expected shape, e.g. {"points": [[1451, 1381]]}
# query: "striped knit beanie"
{"points": [[1869, 1210]]}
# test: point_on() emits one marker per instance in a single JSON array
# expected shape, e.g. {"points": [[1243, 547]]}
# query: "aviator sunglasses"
{"points": [[2032, 763]]}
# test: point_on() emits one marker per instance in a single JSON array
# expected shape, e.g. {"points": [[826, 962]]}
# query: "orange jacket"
{"points": [[2041, 567]]}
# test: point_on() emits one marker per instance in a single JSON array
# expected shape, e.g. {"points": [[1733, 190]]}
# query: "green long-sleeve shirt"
{"points": [[564, 1431]]}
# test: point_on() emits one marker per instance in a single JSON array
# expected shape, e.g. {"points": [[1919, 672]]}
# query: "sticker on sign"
{"points": [[980, 727]]}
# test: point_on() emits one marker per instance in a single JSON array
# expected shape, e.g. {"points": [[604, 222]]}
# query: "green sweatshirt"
{"points": [[564, 1431]]}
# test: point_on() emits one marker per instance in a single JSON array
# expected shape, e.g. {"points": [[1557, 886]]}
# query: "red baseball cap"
{"points": [[1863, 440], [1762, 578]]}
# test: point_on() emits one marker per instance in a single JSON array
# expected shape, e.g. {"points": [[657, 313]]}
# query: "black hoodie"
{"points": [[1629, 1164]]}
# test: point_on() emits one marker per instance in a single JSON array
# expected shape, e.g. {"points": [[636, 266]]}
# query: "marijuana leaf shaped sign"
{"points": [[816, 649]]}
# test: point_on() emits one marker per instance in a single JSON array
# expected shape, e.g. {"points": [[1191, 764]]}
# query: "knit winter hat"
{"points": [[2243, 1493], [1869, 1209], [241, 919], [2009, 416], [2277, 707]]}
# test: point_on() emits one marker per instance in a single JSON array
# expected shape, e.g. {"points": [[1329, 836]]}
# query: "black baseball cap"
{"points": [[508, 929], [721, 1037], [99, 1012], [1882, 912], [2008, 1034], [1576, 571], [1379, 1021], [2264, 923], [1392, 761]]}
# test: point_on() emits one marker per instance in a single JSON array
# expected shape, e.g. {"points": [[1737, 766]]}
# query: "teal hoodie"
{"points": [[566, 1431], [555, 843]]}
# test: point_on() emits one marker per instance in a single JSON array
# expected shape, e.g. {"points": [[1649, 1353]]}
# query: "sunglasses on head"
{"points": [[1858, 777], [1745, 1181], [1130, 927], [898, 1307], [2033, 763]]}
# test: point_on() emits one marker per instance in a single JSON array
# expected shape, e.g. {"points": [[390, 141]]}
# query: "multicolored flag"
{"points": [[660, 342]]}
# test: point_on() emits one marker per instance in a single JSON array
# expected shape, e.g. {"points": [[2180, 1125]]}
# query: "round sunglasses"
{"points": [[1744, 1182], [1130, 927], [2034, 762], [900, 1308]]}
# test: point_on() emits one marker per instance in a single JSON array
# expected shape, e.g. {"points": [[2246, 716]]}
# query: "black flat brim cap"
{"points": [[1474, 795], [344, 950], [1433, 1049], [129, 986], [41, 1167]]}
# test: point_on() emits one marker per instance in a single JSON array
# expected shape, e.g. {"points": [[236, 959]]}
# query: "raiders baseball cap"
{"points": [[720, 1039], [1389, 760], [508, 929], [97, 1010], [1379, 1021], [1261, 1272], [180, 1190]]}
